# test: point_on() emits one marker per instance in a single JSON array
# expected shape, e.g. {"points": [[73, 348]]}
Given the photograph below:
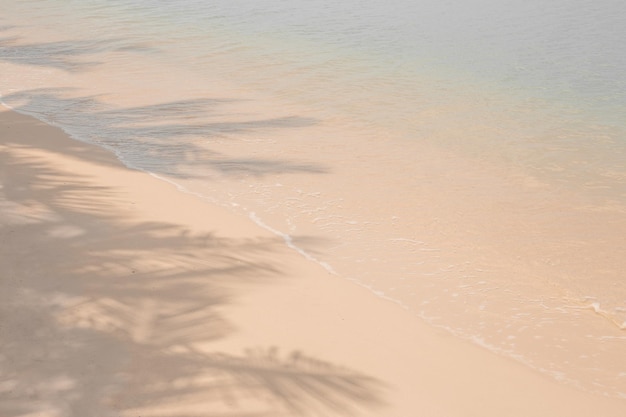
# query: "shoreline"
{"points": [[493, 254], [123, 295]]}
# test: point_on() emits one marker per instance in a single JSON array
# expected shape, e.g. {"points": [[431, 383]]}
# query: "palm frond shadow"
{"points": [[93, 317], [149, 134], [70, 55], [163, 138]]}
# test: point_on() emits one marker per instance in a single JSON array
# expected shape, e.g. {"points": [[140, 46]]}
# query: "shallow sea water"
{"points": [[464, 159]]}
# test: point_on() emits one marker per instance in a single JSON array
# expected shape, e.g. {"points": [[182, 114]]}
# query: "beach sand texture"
{"points": [[490, 205], [121, 296], [312, 208]]}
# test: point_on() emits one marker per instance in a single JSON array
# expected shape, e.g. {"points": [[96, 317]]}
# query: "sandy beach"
{"points": [[122, 296]]}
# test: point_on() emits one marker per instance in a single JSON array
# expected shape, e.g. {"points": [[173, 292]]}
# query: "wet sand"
{"points": [[122, 296]]}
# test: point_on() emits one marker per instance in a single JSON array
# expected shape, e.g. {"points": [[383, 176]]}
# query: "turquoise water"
{"points": [[564, 50], [465, 159]]}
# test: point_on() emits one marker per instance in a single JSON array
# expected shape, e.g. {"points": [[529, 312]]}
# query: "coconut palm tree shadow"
{"points": [[68, 55], [163, 138], [104, 314], [143, 136]]}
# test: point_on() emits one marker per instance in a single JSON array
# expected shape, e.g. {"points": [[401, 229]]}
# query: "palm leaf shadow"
{"points": [[92, 308], [69, 55], [163, 138]]}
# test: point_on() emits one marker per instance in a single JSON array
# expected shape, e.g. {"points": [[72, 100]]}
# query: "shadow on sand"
{"points": [[100, 312], [69, 55], [166, 138], [153, 137]]}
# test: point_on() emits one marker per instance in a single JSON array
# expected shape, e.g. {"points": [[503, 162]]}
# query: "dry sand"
{"points": [[122, 296]]}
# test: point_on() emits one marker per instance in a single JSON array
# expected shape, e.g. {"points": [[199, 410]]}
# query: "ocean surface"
{"points": [[463, 159]]}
